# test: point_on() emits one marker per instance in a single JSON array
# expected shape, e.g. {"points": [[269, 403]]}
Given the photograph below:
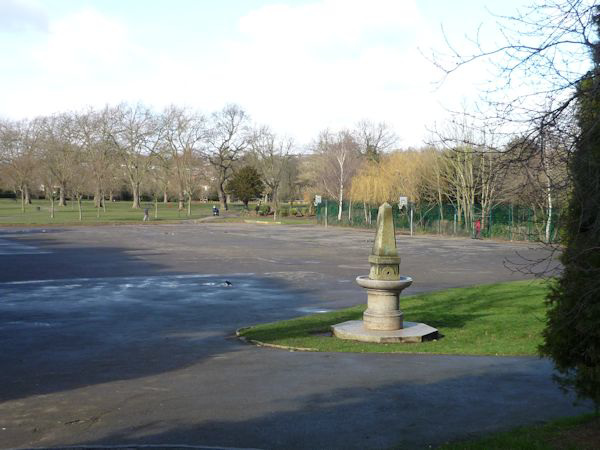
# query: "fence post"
{"points": [[472, 224], [512, 221], [411, 219], [350, 212], [455, 219]]}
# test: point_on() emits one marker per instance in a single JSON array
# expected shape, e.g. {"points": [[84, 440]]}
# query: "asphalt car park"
{"points": [[124, 335]]}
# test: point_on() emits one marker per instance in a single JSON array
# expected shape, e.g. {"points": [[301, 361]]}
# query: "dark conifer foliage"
{"points": [[572, 335]]}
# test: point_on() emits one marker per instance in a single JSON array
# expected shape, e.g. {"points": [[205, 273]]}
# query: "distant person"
{"points": [[146, 217], [478, 229]]}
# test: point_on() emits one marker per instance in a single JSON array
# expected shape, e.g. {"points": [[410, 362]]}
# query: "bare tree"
{"points": [[292, 184], [473, 167], [339, 158], [98, 152], [60, 148], [81, 181], [436, 187], [18, 158], [183, 134], [136, 134], [540, 180], [272, 158], [226, 140], [154, 184], [538, 65], [373, 139]]}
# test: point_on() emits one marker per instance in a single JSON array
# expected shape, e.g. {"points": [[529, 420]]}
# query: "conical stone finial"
{"points": [[384, 259]]}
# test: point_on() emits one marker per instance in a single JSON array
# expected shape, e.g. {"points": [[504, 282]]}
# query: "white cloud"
{"points": [[86, 59], [84, 42], [326, 22], [22, 15], [296, 67], [329, 64]]}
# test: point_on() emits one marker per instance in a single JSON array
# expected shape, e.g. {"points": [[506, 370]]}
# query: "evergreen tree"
{"points": [[246, 184], [572, 334]]}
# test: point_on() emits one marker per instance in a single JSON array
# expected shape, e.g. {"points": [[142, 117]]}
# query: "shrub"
{"points": [[264, 210]]}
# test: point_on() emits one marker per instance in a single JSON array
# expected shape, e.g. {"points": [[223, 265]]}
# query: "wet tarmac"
{"points": [[123, 335]]}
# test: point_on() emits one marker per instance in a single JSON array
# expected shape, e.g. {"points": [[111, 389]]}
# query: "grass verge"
{"points": [[581, 432], [496, 319], [38, 213]]}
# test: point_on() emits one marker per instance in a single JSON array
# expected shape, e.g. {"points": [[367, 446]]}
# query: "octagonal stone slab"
{"points": [[412, 332]]}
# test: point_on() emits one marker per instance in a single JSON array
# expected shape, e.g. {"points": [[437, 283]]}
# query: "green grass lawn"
{"points": [[581, 432], [38, 213], [496, 319]]}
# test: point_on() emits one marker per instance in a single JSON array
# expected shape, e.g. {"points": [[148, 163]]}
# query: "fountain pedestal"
{"points": [[383, 302], [383, 320]]}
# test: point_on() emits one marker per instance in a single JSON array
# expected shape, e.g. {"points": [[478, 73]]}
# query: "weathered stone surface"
{"points": [[383, 321], [384, 259], [384, 271], [383, 312], [411, 333], [391, 285]]}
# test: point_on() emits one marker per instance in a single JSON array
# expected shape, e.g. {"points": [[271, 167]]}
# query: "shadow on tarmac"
{"points": [[119, 318], [414, 415]]}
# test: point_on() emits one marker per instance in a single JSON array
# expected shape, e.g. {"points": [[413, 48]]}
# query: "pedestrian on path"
{"points": [[478, 229]]}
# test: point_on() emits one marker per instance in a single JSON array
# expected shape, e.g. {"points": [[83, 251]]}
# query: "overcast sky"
{"points": [[297, 66]]}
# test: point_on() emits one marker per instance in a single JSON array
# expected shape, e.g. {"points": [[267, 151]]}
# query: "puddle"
{"points": [[311, 310]]}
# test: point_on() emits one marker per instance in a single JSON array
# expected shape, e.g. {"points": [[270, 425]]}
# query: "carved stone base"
{"points": [[412, 332], [383, 302], [389, 320]]}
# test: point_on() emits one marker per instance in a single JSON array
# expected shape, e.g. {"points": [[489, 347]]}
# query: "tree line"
{"points": [[175, 152], [183, 154]]}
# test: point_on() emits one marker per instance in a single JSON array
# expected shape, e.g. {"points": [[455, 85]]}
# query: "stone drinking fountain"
{"points": [[383, 320]]}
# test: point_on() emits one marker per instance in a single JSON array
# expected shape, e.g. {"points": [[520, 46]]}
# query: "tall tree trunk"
{"points": [[61, 198], [79, 206], [441, 203], [189, 205], [51, 205], [341, 203], [275, 198], [222, 195], [549, 200], [97, 197], [155, 207], [23, 200], [27, 196], [135, 188], [165, 197], [180, 200]]}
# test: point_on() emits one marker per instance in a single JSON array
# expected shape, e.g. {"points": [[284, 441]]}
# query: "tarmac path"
{"points": [[122, 335]]}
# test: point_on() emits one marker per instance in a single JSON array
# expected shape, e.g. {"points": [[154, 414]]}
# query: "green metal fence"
{"points": [[503, 221]]}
